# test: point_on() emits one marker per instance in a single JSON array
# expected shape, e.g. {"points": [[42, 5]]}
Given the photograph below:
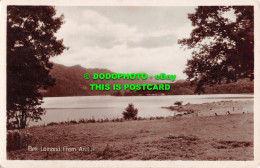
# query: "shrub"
{"points": [[82, 121], [130, 112], [52, 123], [73, 122], [178, 103], [18, 140]]}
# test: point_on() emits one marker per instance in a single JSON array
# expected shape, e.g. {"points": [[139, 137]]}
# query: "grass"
{"points": [[224, 137], [93, 120]]}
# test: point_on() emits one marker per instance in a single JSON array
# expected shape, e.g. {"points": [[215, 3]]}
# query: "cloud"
{"points": [[96, 30], [154, 42], [121, 42], [120, 58]]}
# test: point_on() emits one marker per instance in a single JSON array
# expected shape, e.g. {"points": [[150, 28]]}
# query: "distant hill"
{"points": [[241, 86], [70, 82], [184, 88]]}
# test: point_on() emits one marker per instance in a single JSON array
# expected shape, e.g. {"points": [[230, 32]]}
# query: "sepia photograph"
{"points": [[129, 82]]}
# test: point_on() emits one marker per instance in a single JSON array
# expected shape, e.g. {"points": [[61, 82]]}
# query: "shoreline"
{"points": [[187, 110], [185, 137], [252, 94], [215, 108]]}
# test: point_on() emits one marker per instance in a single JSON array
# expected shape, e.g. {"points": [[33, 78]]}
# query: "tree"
{"points": [[223, 48], [130, 112], [31, 42]]}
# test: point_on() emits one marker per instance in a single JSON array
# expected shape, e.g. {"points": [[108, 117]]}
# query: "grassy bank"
{"points": [[225, 137]]}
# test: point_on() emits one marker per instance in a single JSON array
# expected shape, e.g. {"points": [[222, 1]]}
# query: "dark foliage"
{"points": [[30, 44], [130, 112], [178, 103], [223, 49]]}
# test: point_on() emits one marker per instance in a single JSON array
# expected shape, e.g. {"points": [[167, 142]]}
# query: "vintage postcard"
{"points": [[129, 83]]}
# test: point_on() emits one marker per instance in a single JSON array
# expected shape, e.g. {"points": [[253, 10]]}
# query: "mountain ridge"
{"points": [[70, 81]]}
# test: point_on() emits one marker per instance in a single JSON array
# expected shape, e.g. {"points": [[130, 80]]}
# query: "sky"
{"points": [[126, 39]]}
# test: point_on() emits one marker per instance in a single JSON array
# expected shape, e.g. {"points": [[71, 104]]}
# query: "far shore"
{"points": [[150, 95], [215, 108]]}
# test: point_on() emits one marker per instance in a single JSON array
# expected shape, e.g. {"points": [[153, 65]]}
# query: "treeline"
{"points": [[184, 88]]}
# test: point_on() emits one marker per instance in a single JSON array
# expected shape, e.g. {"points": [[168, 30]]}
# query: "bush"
{"points": [[178, 103], [130, 112], [52, 123], [18, 140]]}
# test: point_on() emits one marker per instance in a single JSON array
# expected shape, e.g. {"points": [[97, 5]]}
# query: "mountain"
{"points": [[70, 81]]}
